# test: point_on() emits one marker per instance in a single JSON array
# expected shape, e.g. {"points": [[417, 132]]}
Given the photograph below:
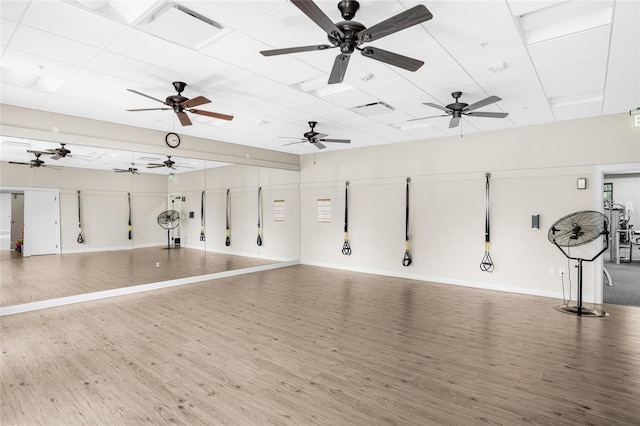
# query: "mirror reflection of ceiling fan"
{"points": [[181, 105], [349, 35], [315, 138], [36, 162], [169, 163], [57, 153], [457, 109], [131, 170]]}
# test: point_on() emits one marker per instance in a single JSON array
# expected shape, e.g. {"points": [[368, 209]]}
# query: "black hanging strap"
{"points": [[227, 241], [80, 237], [259, 239], [202, 236], [130, 227], [406, 260], [346, 248], [487, 263]]}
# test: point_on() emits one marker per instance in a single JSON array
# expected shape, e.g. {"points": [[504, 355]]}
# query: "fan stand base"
{"points": [[586, 312]]}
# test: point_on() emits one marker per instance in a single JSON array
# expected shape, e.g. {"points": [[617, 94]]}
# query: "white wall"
{"points": [[534, 171]]}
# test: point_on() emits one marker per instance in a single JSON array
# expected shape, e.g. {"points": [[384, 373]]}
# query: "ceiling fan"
{"points": [[169, 163], [315, 138], [57, 153], [349, 35], [131, 170], [181, 105], [36, 162], [457, 109]]}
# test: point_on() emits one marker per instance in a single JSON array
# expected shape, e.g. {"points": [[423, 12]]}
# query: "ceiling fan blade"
{"points": [[391, 58], [319, 145], [312, 10], [432, 105], [293, 143], [212, 114], [487, 114], [154, 165], [198, 100], [149, 109], [455, 120], [18, 162], [146, 96], [319, 135], [479, 104], [289, 137], [39, 152], [184, 118], [298, 49], [402, 20], [431, 116], [335, 140], [339, 69]]}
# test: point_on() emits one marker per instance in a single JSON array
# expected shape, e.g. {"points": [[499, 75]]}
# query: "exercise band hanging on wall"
{"points": [[487, 263], [259, 239], [202, 237], [80, 237], [227, 241], [346, 248], [130, 227], [406, 260]]}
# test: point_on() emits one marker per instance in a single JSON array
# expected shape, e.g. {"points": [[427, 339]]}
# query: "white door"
{"points": [[42, 228], [5, 221]]}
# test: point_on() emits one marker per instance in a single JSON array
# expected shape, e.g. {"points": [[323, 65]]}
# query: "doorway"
{"points": [[621, 263]]}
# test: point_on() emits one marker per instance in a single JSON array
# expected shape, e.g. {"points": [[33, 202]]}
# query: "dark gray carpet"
{"points": [[626, 283]]}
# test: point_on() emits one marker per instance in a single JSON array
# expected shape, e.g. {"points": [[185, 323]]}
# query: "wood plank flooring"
{"points": [[305, 345], [37, 278]]}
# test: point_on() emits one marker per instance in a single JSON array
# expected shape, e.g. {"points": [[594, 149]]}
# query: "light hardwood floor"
{"points": [[37, 278], [305, 345]]}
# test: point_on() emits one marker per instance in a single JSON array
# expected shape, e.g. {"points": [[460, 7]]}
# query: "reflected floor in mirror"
{"points": [[37, 278]]}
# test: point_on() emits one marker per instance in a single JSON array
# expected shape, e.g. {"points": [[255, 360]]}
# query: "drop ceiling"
{"points": [[548, 61]]}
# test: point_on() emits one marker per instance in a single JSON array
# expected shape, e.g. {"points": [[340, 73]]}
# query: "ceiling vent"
{"points": [[178, 24], [374, 108]]}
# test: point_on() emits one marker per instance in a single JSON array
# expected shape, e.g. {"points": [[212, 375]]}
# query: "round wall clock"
{"points": [[172, 139]]}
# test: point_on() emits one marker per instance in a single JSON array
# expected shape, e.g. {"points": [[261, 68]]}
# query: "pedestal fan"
{"points": [[169, 220], [577, 229]]}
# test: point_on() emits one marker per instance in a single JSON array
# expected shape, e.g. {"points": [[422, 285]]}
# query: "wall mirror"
{"points": [[79, 219]]}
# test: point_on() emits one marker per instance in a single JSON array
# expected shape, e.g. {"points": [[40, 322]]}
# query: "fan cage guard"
{"points": [[169, 220], [577, 229]]}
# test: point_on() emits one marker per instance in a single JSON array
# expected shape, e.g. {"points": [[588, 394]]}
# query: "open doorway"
{"points": [[621, 263]]}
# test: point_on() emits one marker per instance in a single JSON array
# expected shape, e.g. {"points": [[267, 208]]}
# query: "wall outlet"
{"points": [[562, 271]]}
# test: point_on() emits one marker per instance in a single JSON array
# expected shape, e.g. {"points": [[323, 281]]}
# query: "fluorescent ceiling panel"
{"points": [[564, 18]]}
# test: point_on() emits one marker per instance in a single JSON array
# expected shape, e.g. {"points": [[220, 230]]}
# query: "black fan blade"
{"points": [[479, 104], [287, 50], [212, 114], [455, 120], [184, 118], [339, 69], [198, 100], [391, 58], [146, 96], [312, 10], [402, 20], [58, 156], [436, 106], [17, 162], [319, 145], [154, 165], [431, 116], [149, 109], [487, 114], [335, 140]]}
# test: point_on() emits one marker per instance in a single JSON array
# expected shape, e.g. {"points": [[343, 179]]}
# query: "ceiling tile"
{"points": [[487, 67], [34, 64], [389, 90], [503, 83], [144, 47], [440, 77], [350, 98], [199, 70], [45, 44], [577, 111], [288, 71], [28, 98], [7, 28], [237, 49], [453, 18], [234, 14], [123, 67], [13, 10], [72, 23], [583, 85], [625, 34], [571, 47]]}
